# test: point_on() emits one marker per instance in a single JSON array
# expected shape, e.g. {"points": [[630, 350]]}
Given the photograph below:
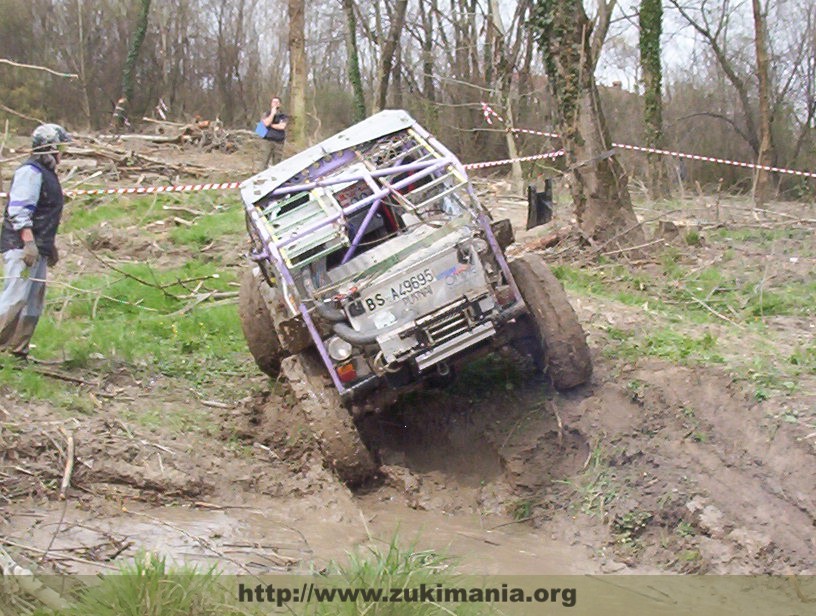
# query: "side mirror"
{"points": [[539, 205]]}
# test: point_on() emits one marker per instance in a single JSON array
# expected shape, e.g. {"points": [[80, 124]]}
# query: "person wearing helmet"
{"points": [[30, 224]]}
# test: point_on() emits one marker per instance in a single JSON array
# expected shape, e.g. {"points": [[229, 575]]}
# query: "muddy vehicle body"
{"points": [[376, 270]]}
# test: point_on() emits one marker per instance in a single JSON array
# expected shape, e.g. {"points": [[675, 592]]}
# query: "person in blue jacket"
{"points": [[30, 225]]}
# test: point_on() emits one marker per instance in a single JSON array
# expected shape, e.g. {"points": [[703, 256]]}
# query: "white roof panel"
{"points": [[379, 125]]}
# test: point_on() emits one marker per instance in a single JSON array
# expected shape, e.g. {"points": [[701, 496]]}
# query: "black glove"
{"points": [[53, 258], [31, 253]]}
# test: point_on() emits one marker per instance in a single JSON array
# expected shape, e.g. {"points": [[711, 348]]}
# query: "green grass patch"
{"points": [[395, 569], [594, 489], [149, 586], [209, 228], [29, 384], [759, 236], [613, 282], [89, 212], [148, 320], [668, 344]]}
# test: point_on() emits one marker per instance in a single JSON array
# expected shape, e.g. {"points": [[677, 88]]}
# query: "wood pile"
{"points": [[206, 135], [97, 155]]}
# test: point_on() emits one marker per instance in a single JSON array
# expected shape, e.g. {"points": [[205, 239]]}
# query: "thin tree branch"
{"points": [[39, 68]]}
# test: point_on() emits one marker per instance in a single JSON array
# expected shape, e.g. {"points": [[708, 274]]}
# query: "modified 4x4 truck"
{"points": [[376, 271]]}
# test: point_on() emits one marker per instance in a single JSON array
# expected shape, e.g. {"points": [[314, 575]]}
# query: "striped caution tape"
{"points": [[152, 190], [488, 111], [507, 161], [147, 190]]}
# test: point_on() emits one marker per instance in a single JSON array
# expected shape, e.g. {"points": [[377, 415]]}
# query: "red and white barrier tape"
{"points": [[488, 111], [152, 190], [507, 161], [147, 190]]}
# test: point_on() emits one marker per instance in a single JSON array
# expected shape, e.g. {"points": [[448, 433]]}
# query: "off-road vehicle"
{"points": [[377, 270]]}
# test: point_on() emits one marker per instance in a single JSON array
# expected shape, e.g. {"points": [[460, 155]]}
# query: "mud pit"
{"points": [[654, 466]]}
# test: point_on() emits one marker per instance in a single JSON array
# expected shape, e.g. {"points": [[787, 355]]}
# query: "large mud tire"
{"points": [[559, 334], [331, 423], [259, 329]]}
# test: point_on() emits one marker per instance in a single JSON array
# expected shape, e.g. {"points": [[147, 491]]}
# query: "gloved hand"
{"points": [[54, 258], [30, 253]]}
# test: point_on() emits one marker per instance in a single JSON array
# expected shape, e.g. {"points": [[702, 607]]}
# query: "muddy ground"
{"points": [[661, 463]]}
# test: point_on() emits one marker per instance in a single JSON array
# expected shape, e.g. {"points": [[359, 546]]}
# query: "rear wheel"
{"points": [[256, 321], [559, 338], [331, 423]]}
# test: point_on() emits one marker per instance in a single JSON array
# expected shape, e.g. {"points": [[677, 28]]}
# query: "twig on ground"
{"points": [[712, 311], [659, 240], [217, 405], [69, 463], [64, 377], [56, 555], [156, 285]]}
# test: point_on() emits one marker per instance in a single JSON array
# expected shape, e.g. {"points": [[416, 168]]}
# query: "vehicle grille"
{"points": [[447, 328]]}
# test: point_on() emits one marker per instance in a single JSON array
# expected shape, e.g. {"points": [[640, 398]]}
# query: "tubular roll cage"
{"points": [[437, 158]]}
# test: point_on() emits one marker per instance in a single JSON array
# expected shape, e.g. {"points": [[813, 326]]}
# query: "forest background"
{"points": [[334, 61]]}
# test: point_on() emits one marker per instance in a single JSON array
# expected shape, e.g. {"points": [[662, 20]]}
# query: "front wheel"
{"points": [[331, 423], [257, 323], [559, 337]]}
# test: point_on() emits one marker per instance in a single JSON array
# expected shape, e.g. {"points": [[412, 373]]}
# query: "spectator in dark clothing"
{"points": [[30, 225], [275, 122]]}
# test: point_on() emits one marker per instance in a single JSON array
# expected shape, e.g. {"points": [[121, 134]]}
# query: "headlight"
{"points": [[339, 349]]}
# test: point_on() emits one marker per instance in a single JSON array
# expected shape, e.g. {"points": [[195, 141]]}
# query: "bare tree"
{"points": [[650, 19], [598, 183], [387, 53], [297, 73], [359, 109], [765, 155], [133, 53]]}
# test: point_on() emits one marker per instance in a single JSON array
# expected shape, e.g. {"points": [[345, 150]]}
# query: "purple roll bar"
{"points": [[353, 177], [361, 232], [425, 170]]}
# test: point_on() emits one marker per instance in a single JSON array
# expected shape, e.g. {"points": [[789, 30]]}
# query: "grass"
{"points": [[122, 320], [595, 488], [87, 213], [667, 343], [717, 314], [149, 586], [398, 569], [145, 320]]}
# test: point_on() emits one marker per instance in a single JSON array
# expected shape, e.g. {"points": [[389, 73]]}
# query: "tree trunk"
{"points": [[359, 109], [651, 27], [762, 184], [83, 74], [387, 54], [133, 53], [296, 129], [598, 182], [499, 71]]}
